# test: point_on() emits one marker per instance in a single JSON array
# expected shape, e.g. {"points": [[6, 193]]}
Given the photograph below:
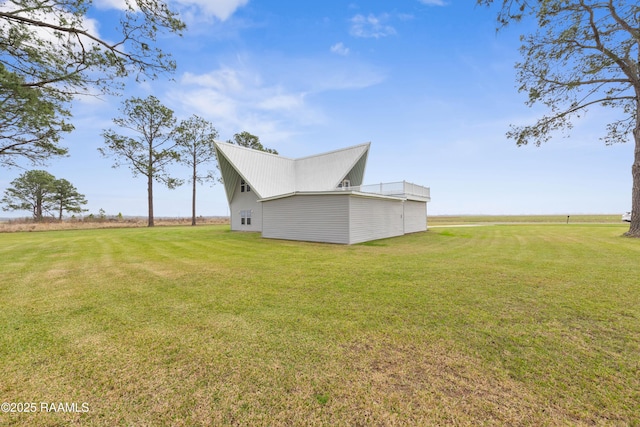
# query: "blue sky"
{"points": [[428, 82]]}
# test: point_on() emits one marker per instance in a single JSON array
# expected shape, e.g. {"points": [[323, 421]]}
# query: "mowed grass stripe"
{"points": [[502, 324]]}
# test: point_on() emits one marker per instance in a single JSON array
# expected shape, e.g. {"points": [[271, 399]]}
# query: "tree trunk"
{"points": [[150, 199], [38, 208], [193, 193], [634, 229], [193, 204], [150, 184]]}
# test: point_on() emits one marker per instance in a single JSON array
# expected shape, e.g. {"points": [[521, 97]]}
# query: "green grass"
{"points": [[495, 325], [518, 219]]}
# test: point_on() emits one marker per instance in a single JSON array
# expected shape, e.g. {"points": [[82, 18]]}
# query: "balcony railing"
{"points": [[400, 189]]}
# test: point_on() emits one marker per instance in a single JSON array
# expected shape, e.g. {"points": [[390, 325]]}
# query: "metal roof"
{"points": [[270, 175]]}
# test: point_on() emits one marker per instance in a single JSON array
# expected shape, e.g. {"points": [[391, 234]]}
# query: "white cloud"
{"points": [[221, 9], [371, 26], [340, 49], [273, 99], [55, 16], [224, 79], [282, 101], [239, 99], [351, 76], [233, 89]]}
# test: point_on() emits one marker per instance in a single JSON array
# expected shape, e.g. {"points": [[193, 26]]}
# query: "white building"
{"points": [[318, 198]]}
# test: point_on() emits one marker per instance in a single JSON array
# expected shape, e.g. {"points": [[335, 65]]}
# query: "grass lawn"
{"points": [[527, 324], [524, 219]]}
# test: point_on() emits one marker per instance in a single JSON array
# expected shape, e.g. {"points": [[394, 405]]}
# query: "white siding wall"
{"points": [[415, 216], [245, 201], [313, 218], [373, 218]]}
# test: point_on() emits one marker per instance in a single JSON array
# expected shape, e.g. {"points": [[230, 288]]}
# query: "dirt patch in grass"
{"points": [[395, 383]]}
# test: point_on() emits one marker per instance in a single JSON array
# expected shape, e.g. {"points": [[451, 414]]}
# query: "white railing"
{"points": [[401, 188]]}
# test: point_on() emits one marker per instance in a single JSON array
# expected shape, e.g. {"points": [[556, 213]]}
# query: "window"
{"points": [[245, 217], [244, 186], [345, 184]]}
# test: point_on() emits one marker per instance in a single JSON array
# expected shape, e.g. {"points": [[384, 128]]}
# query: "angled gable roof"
{"points": [[271, 175], [268, 174], [324, 172]]}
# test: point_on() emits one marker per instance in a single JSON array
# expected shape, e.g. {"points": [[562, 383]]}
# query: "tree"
{"points": [[194, 138], [40, 192], [152, 150], [51, 52], [30, 125], [31, 191], [585, 53], [245, 139], [66, 198]]}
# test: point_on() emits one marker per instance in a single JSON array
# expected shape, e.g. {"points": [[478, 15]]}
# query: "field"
{"points": [[27, 224], [506, 324]]}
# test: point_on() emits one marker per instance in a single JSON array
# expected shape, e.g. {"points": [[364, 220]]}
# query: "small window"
{"points": [[245, 217], [244, 186]]}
